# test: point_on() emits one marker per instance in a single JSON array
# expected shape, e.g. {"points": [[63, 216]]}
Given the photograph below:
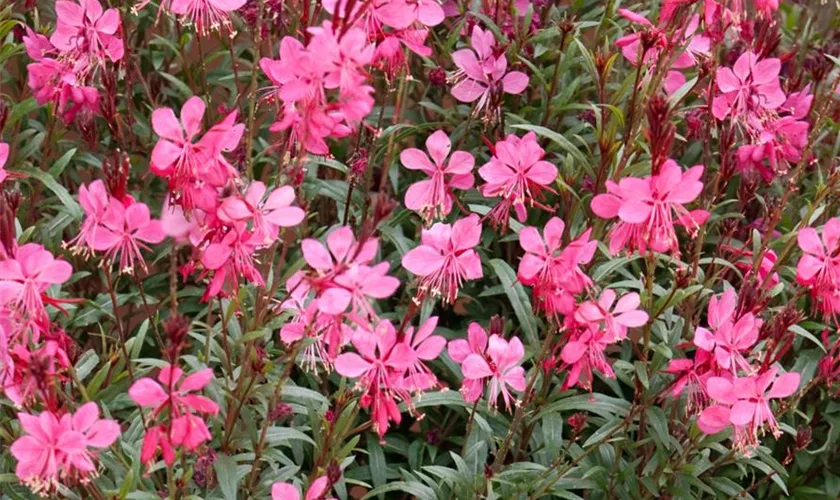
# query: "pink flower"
{"points": [[730, 336], [425, 347], [446, 257], [317, 490], [379, 366], [500, 363], [432, 198], [55, 448], [481, 73], [4, 157], [187, 429], [819, 266], [341, 252], [123, 232], [206, 15], [95, 202], [230, 258], [649, 208], [553, 271], [750, 87], [87, 29], [691, 378], [193, 167], [617, 320], [745, 403], [459, 349], [583, 353], [632, 48], [518, 174], [25, 278], [269, 215]]}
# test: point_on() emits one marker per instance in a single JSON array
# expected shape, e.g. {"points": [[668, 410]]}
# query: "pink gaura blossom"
{"points": [[60, 449], [206, 15], [745, 403], [750, 87], [193, 167], [552, 270], [649, 208], [692, 375], [481, 73], [123, 232], [632, 48], [341, 253], [25, 278], [4, 157], [85, 28], [730, 336], [459, 349], [518, 174], [269, 213], [446, 257], [379, 366], [500, 363], [175, 394], [616, 320], [230, 258], [432, 198], [819, 266], [425, 347], [583, 353], [317, 490]]}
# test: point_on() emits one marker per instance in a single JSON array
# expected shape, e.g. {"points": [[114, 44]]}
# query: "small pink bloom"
{"points": [[730, 335], [446, 257], [459, 349], [518, 174], [229, 259], [269, 213], [750, 87], [583, 353], [175, 394], [317, 490], [626, 313], [25, 278], [206, 15], [432, 198], [649, 208], [819, 266], [500, 363], [123, 232], [84, 27], [481, 73], [54, 448]]}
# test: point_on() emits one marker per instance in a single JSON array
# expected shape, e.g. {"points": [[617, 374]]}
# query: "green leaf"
{"points": [[378, 466], [278, 435], [61, 163], [419, 490], [518, 299], [226, 474], [60, 191]]}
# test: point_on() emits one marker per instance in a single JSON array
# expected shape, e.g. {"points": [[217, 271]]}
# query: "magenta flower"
{"points": [[819, 266], [518, 174], [481, 73], [269, 213], [632, 48], [750, 87], [616, 320], [432, 198], [84, 27], [553, 271], [123, 232], [206, 15], [649, 208], [425, 346], [4, 157], [25, 278], [175, 394], [95, 202], [379, 366], [317, 490], [501, 364], [229, 258], [583, 353], [446, 257], [341, 252], [355, 286], [691, 378], [193, 167], [459, 349], [745, 403], [730, 335], [56, 448]]}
